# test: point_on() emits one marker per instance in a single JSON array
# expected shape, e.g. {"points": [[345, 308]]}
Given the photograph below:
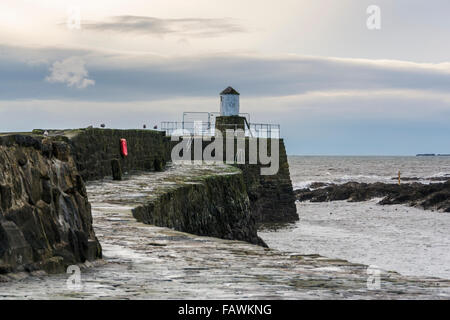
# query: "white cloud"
{"points": [[71, 71]]}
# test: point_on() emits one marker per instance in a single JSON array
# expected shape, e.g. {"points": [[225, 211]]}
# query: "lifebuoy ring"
{"points": [[123, 147]]}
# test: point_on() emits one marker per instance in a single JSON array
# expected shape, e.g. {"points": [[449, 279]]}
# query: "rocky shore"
{"points": [[433, 196]]}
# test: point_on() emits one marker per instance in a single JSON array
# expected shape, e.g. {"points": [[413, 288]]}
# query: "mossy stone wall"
{"points": [[94, 149]]}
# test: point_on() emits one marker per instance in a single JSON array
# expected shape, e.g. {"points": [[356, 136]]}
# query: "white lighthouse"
{"points": [[229, 102]]}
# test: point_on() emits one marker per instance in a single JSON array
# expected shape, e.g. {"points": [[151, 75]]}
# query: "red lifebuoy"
{"points": [[123, 147]]}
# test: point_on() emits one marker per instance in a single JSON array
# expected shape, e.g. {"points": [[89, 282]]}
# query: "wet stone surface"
{"points": [[146, 262]]}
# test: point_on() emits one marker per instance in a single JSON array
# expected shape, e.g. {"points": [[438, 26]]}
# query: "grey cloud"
{"points": [[196, 27], [37, 56], [259, 76], [321, 103], [154, 78]]}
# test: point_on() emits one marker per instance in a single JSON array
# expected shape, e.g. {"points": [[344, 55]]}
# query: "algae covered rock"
{"points": [[215, 204]]}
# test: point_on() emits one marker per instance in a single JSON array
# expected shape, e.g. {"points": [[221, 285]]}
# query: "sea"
{"points": [[399, 238]]}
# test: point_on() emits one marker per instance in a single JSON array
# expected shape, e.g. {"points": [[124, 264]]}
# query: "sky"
{"points": [[335, 86]]}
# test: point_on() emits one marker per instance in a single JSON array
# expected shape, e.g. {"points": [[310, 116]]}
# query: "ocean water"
{"points": [[339, 169], [399, 238]]}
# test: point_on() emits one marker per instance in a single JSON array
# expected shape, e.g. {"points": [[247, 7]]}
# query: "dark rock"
{"points": [[80, 186], [435, 196], [53, 265], [61, 150], [35, 220], [14, 249], [56, 194], [94, 250], [35, 191], [5, 197], [27, 141], [47, 148], [46, 191], [317, 185], [21, 158]]}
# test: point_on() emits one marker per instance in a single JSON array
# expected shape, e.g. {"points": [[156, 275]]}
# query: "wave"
{"points": [[439, 175], [347, 178], [302, 184]]}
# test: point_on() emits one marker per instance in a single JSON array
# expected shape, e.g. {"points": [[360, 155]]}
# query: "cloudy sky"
{"points": [[314, 67]]}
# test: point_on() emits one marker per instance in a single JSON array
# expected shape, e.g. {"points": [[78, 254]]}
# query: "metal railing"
{"points": [[195, 128], [189, 116], [200, 128], [264, 130]]}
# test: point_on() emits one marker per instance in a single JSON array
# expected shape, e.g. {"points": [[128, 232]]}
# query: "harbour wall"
{"points": [[211, 203], [45, 215], [94, 149], [271, 197]]}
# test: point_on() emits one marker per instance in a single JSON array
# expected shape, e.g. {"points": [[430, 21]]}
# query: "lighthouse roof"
{"points": [[229, 90]]}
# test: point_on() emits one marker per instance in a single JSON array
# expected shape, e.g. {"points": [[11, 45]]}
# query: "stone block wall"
{"points": [[272, 197], [215, 205], [93, 150]]}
